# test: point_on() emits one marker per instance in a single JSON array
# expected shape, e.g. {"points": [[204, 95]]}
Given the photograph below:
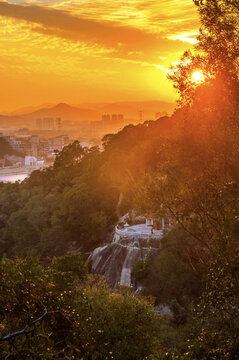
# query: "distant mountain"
{"points": [[66, 112], [27, 109], [87, 112]]}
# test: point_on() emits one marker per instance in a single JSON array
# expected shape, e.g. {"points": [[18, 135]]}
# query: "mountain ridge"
{"points": [[84, 112]]}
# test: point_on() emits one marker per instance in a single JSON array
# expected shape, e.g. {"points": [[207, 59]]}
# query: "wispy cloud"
{"points": [[63, 24], [89, 43]]}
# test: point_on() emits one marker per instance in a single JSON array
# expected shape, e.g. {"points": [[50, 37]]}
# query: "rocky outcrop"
{"points": [[116, 260]]}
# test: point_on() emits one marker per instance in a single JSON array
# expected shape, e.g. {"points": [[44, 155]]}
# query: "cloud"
{"points": [[112, 34]]}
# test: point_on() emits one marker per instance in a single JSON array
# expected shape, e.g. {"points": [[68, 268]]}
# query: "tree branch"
{"points": [[12, 335]]}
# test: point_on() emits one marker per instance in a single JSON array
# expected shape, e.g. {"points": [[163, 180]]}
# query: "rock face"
{"points": [[116, 260]]}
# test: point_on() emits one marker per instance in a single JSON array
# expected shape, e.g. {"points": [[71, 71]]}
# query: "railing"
{"points": [[137, 235]]}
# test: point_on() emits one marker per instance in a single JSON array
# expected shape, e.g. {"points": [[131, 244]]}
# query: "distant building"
{"points": [[43, 148], [48, 123], [117, 119], [112, 122], [23, 131], [34, 139], [157, 222], [39, 124], [58, 142], [106, 118], [26, 144], [149, 221], [58, 124], [31, 161]]}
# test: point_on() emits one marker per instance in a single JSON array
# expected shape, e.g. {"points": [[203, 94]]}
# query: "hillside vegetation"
{"points": [[6, 149]]}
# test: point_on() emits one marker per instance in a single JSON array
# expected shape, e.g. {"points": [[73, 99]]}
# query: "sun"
{"points": [[198, 77]]}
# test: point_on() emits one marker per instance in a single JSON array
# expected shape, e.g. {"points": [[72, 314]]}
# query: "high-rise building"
{"points": [[48, 123], [106, 118], [51, 124], [58, 123], [39, 124], [120, 117], [117, 119], [114, 117]]}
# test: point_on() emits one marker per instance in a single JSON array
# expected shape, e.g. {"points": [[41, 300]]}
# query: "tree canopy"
{"points": [[57, 312]]}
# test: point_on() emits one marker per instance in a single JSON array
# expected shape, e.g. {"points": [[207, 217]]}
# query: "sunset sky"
{"points": [[91, 51]]}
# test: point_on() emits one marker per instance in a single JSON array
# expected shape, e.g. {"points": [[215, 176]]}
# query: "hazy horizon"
{"points": [[63, 51], [34, 107]]}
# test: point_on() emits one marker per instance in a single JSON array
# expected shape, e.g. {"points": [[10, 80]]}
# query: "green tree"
{"points": [[219, 35], [57, 313], [197, 185], [79, 218], [6, 149], [175, 273]]}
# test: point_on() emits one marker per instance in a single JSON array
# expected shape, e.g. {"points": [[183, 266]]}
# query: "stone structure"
{"points": [[130, 244]]}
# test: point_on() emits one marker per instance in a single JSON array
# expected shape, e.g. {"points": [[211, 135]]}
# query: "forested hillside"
{"points": [[74, 203]]}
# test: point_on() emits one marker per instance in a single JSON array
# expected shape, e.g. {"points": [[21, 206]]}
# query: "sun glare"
{"points": [[198, 77]]}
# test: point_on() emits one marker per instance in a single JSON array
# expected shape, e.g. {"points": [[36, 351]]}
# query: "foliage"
{"points": [[219, 34], [69, 205], [218, 309], [74, 204], [56, 313], [175, 273], [6, 149], [198, 188], [173, 338], [196, 184]]}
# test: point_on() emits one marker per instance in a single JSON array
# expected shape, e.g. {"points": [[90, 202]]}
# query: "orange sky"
{"points": [[85, 50]]}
